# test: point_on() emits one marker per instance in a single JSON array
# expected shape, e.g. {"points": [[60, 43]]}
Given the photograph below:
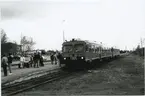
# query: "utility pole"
{"points": [[21, 50], [63, 30], [63, 36], [126, 48], [101, 47], [141, 42]]}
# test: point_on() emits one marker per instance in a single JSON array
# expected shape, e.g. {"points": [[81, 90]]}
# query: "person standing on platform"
{"points": [[41, 60], [4, 64], [34, 60], [52, 58], [59, 56], [24, 63], [10, 59], [31, 60], [55, 58], [37, 59], [21, 62]]}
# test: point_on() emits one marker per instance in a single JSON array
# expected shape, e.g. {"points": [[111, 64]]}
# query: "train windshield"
{"points": [[67, 48], [79, 48]]}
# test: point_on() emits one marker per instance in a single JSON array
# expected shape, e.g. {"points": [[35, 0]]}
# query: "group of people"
{"points": [[6, 61], [53, 58], [56, 57], [36, 61]]}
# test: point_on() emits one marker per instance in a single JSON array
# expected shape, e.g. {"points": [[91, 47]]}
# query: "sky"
{"points": [[117, 23]]}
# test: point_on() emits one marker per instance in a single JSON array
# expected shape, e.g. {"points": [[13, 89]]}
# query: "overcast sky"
{"points": [[117, 23]]}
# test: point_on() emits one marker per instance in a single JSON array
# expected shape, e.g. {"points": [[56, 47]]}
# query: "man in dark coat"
{"points": [[52, 58], [34, 60], [38, 60], [10, 59], [4, 63], [31, 61]]}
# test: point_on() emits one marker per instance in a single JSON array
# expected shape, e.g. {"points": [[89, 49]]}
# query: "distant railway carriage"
{"points": [[80, 52]]}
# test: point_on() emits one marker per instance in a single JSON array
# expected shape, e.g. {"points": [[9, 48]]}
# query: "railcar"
{"points": [[79, 52]]}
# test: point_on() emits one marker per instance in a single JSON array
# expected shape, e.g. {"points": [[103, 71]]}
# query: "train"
{"points": [[83, 53]]}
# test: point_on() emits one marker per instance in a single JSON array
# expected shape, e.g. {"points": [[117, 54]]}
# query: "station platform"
{"points": [[19, 73]]}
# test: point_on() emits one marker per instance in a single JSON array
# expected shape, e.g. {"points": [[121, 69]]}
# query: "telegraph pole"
{"points": [[63, 30], [126, 48], [141, 42], [21, 44], [63, 36]]}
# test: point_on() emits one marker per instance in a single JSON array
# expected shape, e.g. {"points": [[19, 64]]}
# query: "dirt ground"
{"points": [[123, 76]]}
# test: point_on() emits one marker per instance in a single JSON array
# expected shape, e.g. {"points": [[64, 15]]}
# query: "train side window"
{"points": [[87, 48], [95, 50], [102, 50], [90, 49]]}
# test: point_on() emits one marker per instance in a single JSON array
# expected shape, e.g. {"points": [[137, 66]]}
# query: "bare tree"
{"points": [[3, 37], [27, 43]]}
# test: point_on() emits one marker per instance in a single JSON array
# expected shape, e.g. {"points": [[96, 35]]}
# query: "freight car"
{"points": [[82, 53]]}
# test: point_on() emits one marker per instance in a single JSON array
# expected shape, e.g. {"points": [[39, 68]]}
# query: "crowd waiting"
{"points": [[36, 61]]}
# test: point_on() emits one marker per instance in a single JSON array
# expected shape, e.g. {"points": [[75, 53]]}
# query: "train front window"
{"points": [[79, 47], [67, 48]]}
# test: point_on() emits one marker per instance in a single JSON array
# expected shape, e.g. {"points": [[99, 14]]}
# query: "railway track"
{"points": [[13, 89], [47, 77], [31, 75]]}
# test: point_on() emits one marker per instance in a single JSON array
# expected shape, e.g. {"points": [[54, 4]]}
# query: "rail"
{"points": [[50, 76]]}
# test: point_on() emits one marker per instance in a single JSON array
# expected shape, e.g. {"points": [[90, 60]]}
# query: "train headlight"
{"points": [[64, 58], [82, 57]]}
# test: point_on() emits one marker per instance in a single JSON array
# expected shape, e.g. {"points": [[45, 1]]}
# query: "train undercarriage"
{"points": [[86, 64]]}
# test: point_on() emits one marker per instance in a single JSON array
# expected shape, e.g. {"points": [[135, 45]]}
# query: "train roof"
{"points": [[69, 42], [78, 41], [81, 41], [92, 43]]}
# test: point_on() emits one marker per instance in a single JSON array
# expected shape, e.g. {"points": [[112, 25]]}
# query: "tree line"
{"points": [[26, 44], [139, 51]]}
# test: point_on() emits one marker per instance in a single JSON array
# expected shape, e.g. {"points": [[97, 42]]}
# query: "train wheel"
{"points": [[98, 63], [87, 64], [93, 63]]}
